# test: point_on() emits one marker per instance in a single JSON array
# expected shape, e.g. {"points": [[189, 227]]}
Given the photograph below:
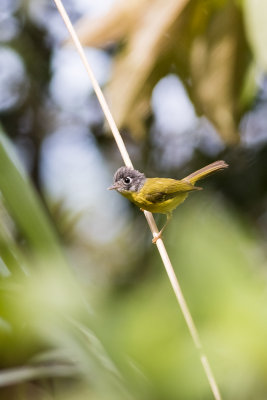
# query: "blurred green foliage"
{"points": [[135, 343]]}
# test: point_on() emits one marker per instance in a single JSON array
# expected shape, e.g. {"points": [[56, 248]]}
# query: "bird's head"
{"points": [[127, 179]]}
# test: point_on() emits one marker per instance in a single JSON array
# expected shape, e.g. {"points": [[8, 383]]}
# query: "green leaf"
{"points": [[23, 203]]}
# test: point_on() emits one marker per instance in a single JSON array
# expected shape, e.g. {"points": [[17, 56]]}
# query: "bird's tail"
{"points": [[205, 171]]}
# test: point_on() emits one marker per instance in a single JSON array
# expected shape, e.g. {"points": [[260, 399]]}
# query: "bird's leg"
{"points": [[158, 236]]}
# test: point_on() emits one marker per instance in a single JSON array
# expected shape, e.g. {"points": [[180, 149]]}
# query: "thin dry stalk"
{"points": [[151, 222]]}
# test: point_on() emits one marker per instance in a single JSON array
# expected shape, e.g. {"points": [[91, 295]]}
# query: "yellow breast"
{"points": [[151, 196]]}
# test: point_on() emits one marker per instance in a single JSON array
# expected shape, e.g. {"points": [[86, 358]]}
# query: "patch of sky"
{"points": [[70, 86], [178, 130], [13, 80]]}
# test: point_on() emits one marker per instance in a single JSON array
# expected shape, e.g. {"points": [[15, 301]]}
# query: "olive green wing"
{"points": [[158, 190]]}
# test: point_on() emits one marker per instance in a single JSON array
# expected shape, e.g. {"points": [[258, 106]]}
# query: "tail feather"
{"points": [[205, 171]]}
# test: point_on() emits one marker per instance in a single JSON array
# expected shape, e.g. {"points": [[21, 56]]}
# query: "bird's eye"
{"points": [[127, 180]]}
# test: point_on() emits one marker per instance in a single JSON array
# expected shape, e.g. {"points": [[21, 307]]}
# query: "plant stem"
{"points": [[160, 245]]}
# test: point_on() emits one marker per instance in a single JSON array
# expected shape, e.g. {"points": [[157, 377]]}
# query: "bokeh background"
{"points": [[86, 309]]}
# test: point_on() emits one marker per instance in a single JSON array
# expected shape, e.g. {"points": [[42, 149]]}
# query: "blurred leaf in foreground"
{"points": [[44, 307], [21, 200]]}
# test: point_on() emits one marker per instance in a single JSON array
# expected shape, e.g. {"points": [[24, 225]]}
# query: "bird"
{"points": [[159, 195]]}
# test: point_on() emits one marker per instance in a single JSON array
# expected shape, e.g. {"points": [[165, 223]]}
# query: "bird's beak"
{"points": [[113, 187]]}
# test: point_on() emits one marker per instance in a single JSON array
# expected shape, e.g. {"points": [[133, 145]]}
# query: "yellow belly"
{"points": [[162, 208]]}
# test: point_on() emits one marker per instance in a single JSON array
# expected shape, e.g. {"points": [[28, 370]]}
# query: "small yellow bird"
{"points": [[159, 195]]}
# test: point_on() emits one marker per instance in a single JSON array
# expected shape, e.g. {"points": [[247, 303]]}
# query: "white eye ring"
{"points": [[127, 180]]}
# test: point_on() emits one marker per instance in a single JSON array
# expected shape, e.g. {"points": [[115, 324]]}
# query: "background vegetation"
{"points": [[86, 310]]}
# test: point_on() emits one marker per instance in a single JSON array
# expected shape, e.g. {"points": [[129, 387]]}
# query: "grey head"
{"points": [[128, 180]]}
